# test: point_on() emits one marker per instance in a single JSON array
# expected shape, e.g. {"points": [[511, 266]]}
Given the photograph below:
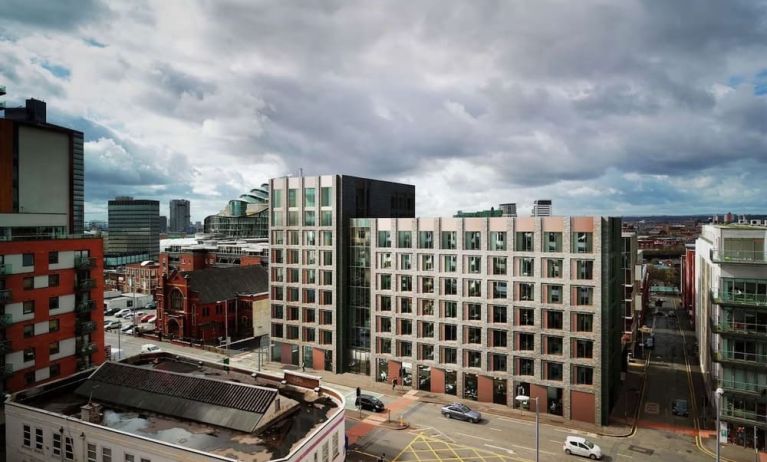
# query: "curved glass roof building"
{"points": [[244, 217]]}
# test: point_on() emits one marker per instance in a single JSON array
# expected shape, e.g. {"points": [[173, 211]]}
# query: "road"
{"points": [[431, 437]]}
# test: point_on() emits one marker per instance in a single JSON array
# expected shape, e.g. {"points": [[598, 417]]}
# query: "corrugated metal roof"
{"points": [[218, 284], [226, 404]]}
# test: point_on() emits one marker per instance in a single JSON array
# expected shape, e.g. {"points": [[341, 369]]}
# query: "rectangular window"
{"points": [[278, 237], [27, 436], [426, 352], [553, 371], [526, 316], [326, 238], [325, 197], [53, 303], [450, 263], [475, 264], [450, 355], [583, 348], [292, 197], [54, 370], [29, 330], [28, 283], [385, 324], [448, 240], [553, 345], [405, 306], [38, 439], [473, 311], [474, 358], [327, 258], [526, 341], [385, 282], [552, 242], [451, 309], [310, 218], [53, 280], [500, 289], [524, 241], [450, 333], [427, 285], [499, 314], [554, 294], [526, 366], [28, 259], [499, 265], [405, 327], [584, 269], [276, 218], [69, 453], [384, 345], [405, 261], [474, 288], [497, 240], [326, 218], [471, 240], [553, 268], [526, 291], [385, 303], [106, 454], [584, 322], [53, 258], [29, 354], [474, 335], [130, 458], [57, 444], [427, 307], [526, 266], [53, 348], [583, 375], [384, 238], [91, 452], [404, 239], [427, 262], [582, 242], [499, 362], [384, 260], [405, 283], [554, 320], [585, 296], [405, 349], [425, 239], [309, 197], [276, 198]]}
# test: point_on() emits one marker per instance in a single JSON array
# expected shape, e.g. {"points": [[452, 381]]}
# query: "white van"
{"points": [[150, 348], [582, 447]]}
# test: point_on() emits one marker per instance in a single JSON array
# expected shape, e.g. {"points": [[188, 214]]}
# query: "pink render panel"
{"points": [[582, 224], [525, 224], [553, 224]]}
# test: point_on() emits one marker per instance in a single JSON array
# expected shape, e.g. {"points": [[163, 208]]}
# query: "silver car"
{"points": [[461, 411]]}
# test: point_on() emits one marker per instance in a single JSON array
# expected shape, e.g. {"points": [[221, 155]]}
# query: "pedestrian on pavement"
{"points": [[303, 367], [393, 383]]}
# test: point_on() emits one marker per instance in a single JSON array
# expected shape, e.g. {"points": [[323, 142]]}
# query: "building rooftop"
{"points": [[199, 406], [217, 284]]}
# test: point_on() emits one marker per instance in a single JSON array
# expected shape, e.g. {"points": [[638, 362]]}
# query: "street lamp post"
{"points": [[718, 395], [526, 399]]}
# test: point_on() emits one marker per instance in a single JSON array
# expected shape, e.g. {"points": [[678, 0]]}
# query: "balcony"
{"points": [[749, 257], [83, 328], [5, 296], [5, 269], [742, 329], [85, 307], [84, 263], [740, 299], [87, 349], [85, 284], [6, 320], [740, 358], [5, 347], [743, 416], [7, 370], [746, 388]]}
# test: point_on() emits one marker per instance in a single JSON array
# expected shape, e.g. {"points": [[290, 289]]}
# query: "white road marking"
{"points": [[509, 451], [494, 429], [472, 436], [532, 449]]}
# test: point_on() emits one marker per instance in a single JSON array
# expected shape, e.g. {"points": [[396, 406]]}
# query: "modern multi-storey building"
{"points": [[134, 229], [180, 218], [635, 288], [320, 313], [50, 289], [483, 308], [542, 208], [244, 217], [731, 323]]}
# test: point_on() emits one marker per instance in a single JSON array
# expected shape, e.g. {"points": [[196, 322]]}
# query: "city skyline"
{"points": [[606, 109]]}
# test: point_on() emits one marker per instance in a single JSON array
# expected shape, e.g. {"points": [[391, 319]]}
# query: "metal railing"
{"points": [[743, 414], [739, 256], [735, 327], [730, 355], [5, 269], [84, 263], [7, 370], [87, 349], [6, 319], [729, 384], [5, 346], [85, 307], [5, 295], [736, 298], [85, 284]]}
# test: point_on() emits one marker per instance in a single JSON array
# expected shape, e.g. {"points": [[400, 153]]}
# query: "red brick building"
{"points": [[50, 298], [207, 304], [142, 278], [688, 280]]}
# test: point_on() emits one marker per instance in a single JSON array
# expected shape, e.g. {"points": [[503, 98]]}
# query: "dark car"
{"points": [[370, 402], [461, 411], [111, 311], [679, 407]]}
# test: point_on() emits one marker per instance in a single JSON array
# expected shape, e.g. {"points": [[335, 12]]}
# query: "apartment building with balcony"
{"points": [[731, 323], [50, 275], [319, 315], [636, 289], [490, 308]]}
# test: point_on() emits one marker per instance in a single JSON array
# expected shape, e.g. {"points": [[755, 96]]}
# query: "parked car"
{"points": [[679, 407], [370, 402], [582, 447], [151, 306], [111, 311], [128, 329], [121, 313], [461, 411], [150, 348], [111, 325], [147, 318]]}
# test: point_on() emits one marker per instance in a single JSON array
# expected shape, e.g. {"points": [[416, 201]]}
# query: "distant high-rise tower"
{"points": [[509, 209], [134, 227], [163, 224], [179, 216], [542, 208]]}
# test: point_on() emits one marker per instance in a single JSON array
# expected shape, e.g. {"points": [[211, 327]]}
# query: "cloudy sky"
{"points": [[631, 107]]}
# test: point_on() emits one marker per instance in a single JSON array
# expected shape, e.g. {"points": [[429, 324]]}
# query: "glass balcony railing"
{"points": [[743, 387], [84, 263], [739, 357], [85, 284], [739, 256], [732, 327], [87, 327], [85, 307], [739, 298], [742, 414], [5, 295]]}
